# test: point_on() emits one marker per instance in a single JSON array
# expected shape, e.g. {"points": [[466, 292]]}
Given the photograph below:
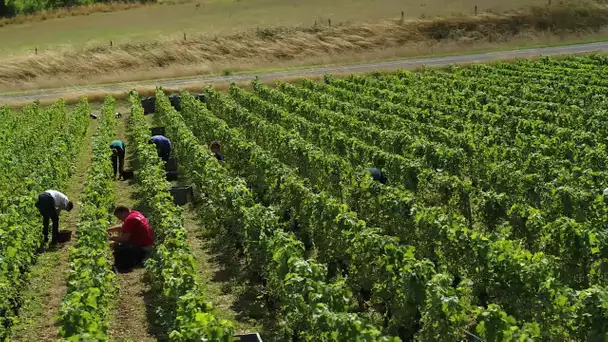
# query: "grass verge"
{"points": [[71, 96]]}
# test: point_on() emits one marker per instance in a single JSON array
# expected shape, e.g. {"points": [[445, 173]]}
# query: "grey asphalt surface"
{"points": [[49, 94]]}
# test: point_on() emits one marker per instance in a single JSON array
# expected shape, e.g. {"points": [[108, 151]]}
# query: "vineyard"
{"points": [[491, 226]]}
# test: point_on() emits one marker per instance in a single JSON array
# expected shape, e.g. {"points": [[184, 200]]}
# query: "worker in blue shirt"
{"points": [[163, 146], [377, 174], [215, 149]]}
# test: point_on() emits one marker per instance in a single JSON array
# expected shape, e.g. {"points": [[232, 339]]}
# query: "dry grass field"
{"points": [[223, 17], [226, 36]]}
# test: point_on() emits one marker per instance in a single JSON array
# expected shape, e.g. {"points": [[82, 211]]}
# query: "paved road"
{"points": [[398, 64]]}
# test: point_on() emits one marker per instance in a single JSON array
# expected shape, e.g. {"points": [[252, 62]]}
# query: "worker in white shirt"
{"points": [[50, 203]]}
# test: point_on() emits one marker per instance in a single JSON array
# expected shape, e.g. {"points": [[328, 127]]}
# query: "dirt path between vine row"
{"points": [[133, 317], [218, 279], [412, 63], [47, 285]]}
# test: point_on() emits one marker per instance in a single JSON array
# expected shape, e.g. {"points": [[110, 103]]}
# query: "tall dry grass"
{"points": [[270, 46]]}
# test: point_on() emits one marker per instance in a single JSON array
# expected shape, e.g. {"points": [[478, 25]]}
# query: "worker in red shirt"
{"points": [[134, 239]]}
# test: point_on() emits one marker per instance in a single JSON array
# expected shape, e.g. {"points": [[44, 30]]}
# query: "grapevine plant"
{"points": [[491, 226], [85, 309], [40, 147], [183, 311]]}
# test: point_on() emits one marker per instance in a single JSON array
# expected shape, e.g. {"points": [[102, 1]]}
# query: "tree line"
{"points": [[9, 8]]}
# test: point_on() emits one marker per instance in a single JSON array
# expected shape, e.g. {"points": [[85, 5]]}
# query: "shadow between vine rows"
{"points": [[232, 273]]}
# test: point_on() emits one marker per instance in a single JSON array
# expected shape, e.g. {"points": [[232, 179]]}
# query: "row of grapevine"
{"points": [[557, 197], [387, 207], [592, 209], [472, 96], [301, 126], [41, 146], [85, 309], [183, 311], [371, 117], [567, 118], [455, 108], [563, 236], [310, 307], [328, 229], [510, 181], [575, 238], [337, 140], [554, 86], [433, 154], [405, 171], [512, 258]]}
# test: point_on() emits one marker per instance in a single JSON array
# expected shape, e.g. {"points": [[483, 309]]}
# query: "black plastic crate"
{"points": [[128, 174], [157, 131], [200, 97], [182, 194], [176, 102], [171, 164], [248, 338], [149, 104], [172, 176]]}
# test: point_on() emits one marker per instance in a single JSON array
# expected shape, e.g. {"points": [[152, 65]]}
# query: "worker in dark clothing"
{"points": [[118, 157], [376, 174], [49, 204], [163, 146], [215, 149]]}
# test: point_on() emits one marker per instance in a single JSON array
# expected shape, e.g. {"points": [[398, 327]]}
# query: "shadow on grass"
{"points": [[142, 207], [235, 278], [155, 328], [133, 164], [52, 248]]}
